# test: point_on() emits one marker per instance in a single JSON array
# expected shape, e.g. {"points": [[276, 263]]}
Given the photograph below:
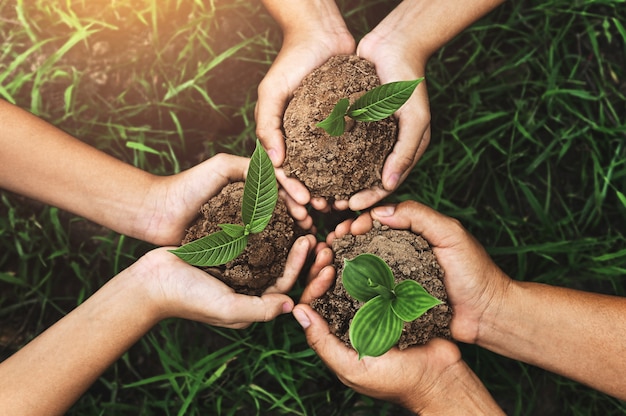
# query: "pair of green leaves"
{"points": [[260, 195], [374, 105], [377, 325]]}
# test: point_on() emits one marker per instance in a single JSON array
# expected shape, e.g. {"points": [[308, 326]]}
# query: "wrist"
{"points": [[144, 279], [457, 391], [498, 301]]}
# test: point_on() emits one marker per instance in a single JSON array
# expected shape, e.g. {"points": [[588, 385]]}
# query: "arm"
{"points": [[400, 46], [313, 31], [50, 373], [579, 335], [44, 163], [576, 334]]}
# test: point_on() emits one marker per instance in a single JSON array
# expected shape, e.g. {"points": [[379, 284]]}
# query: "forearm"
{"points": [[425, 26], [50, 373], [44, 163], [301, 18], [576, 334]]}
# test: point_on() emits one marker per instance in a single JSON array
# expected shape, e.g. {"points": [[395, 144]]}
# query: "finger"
{"points": [[438, 229], [335, 354], [319, 285], [323, 258], [295, 262], [341, 230], [341, 205], [293, 187], [362, 224], [241, 310], [218, 172], [366, 198], [413, 138], [297, 211], [320, 204], [268, 114]]}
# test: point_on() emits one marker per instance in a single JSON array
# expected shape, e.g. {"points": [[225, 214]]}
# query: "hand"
{"points": [[307, 44], [475, 285], [172, 202], [411, 378], [396, 61], [183, 291]]}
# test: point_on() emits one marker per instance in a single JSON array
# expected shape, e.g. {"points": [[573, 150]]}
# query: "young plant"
{"points": [[260, 195], [377, 325], [374, 105]]}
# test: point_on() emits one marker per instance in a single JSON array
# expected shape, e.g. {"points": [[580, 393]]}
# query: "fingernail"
{"points": [[302, 319], [287, 307], [384, 211], [392, 181]]}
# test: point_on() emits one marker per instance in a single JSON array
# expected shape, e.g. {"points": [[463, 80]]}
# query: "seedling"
{"points": [[374, 105], [377, 325], [260, 195]]}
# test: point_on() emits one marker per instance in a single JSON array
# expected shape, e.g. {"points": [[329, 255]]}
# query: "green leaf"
{"points": [[233, 230], [260, 192], [382, 101], [361, 275], [335, 124], [212, 250], [375, 328], [412, 300]]}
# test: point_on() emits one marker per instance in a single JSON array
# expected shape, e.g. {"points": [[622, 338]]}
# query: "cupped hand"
{"points": [[411, 378], [395, 61], [300, 54], [473, 281], [179, 290], [173, 202]]}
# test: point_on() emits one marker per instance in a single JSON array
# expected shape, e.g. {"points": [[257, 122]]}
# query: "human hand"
{"points": [[394, 61], [308, 43], [411, 378], [172, 202], [475, 285], [176, 289]]}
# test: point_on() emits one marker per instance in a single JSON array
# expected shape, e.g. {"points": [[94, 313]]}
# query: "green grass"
{"points": [[528, 151]]}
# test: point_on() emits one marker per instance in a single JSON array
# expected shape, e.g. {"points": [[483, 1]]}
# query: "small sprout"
{"points": [[374, 105], [260, 194], [377, 325]]}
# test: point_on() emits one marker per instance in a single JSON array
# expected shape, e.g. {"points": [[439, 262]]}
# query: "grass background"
{"points": [[528, 151]]}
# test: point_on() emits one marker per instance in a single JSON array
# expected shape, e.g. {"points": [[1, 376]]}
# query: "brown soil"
{"points": [[410, 257], [335, 168], [264, 258]]}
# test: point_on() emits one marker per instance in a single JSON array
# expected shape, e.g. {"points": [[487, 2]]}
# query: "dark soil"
{"points": [[264, 258], [410, 257], [335, 168]]}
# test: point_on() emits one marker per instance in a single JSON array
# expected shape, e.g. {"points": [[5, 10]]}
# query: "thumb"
{"points": [[330, 349]]}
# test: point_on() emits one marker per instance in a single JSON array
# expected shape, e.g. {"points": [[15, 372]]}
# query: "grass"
{"points": [[528, 151]]}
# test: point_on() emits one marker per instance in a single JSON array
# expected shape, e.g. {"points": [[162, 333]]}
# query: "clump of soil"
{"points": [[335, 168], [410, 257], [265, 256]]}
